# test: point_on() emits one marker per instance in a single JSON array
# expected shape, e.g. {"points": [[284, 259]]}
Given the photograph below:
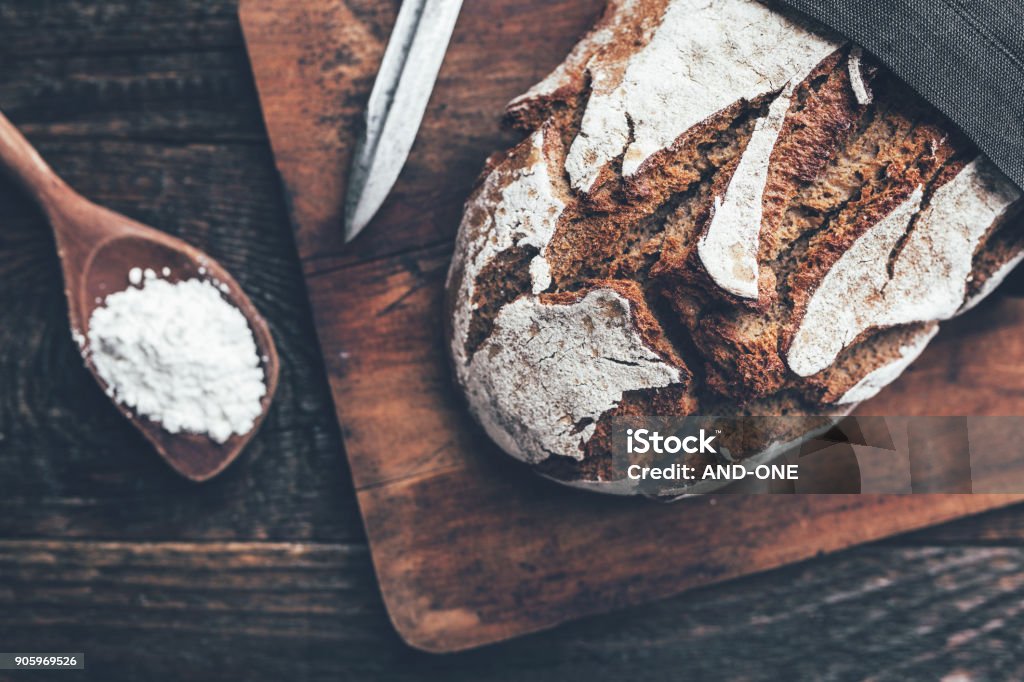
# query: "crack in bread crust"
{"points": [[619, 263]]}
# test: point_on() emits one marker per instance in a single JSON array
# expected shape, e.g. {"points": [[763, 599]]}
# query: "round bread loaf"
{"points": [[719, 209]]}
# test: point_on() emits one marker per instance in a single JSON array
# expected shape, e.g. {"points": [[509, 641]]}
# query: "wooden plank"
{"points": [[164, 69], [76, 29], [468, 547], [273, 611]]}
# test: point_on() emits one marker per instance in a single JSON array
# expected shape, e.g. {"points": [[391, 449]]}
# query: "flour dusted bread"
{"points": [[718, 209]]}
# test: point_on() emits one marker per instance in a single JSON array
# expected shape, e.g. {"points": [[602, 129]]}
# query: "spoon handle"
{"points": [[24, 164]]}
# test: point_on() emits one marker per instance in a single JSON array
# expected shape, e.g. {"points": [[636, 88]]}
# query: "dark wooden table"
{"points": [[148, 106]]}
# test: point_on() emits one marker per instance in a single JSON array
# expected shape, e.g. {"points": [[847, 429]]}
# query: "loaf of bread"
{"points": [[718, 209]]}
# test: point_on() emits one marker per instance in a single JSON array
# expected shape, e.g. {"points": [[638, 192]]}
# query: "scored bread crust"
{"points": [[719, 209]]}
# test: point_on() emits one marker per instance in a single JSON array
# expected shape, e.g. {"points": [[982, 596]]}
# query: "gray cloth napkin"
{"points": [[966, 57]]}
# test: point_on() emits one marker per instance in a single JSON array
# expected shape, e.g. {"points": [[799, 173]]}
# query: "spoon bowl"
{"points": [[98, 248], [193, 455]]}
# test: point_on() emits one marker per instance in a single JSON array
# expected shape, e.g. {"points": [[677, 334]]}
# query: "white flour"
{"points": [[180, 355]]}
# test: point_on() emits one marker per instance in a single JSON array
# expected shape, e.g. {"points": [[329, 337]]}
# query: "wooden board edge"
{"points": [[246, 8], [422, 630], [244, 22]]}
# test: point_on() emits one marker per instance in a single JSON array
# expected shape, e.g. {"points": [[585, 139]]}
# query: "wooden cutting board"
{"points": [[469, 547]]}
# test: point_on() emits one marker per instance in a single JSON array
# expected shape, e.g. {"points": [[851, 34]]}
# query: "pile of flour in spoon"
{"points": [[180, 355]]}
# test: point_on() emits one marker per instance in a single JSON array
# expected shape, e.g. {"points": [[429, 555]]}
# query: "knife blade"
{"points": [[397, 103]]}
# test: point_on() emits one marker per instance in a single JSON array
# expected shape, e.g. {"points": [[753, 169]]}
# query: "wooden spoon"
{"points": [[97, 248]]}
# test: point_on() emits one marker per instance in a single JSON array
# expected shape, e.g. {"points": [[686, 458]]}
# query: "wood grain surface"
{"points": [[469, 549], [264, 573]]}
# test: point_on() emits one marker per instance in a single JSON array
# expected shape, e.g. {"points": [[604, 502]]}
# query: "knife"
{"points": [[397, 103]]}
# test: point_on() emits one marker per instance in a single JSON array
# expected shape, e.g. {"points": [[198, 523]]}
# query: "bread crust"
{"points": [[718, 209]]}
